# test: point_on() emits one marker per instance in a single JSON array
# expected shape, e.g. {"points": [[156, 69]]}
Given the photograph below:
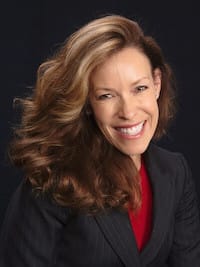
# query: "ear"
{"points": [[157, 76]]}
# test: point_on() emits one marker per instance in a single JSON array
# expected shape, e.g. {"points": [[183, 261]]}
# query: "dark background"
{"points": [[32, 30]]}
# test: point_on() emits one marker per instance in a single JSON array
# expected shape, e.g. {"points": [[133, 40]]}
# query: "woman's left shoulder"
{"points": [[166, 158], [174, 164], [173, 168]]}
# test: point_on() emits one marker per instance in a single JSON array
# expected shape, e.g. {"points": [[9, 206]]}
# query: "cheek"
{"points": [[152, 106], [103, 114], [155, 115], [103, 122]]}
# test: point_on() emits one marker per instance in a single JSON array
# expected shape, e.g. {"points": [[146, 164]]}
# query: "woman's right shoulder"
{"points": [[27, 202], [32, 228]]}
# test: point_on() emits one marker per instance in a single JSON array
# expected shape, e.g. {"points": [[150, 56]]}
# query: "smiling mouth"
{"points": [[131, 131]]}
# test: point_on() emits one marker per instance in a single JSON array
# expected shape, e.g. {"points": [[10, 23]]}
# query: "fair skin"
{"points": [[123, 98]]}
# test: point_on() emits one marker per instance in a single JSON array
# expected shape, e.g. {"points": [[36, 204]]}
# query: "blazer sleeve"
{"points": [[186, 243], [31, 230]]}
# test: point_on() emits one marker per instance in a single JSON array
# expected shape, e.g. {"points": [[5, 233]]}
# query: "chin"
{"points": [[137, 150]]}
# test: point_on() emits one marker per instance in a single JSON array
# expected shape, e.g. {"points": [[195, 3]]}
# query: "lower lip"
{"points": [[128, 136]]}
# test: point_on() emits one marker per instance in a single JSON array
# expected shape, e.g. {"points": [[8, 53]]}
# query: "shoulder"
{"points": [[163, 153], [37, 223], [166, 160], [26, 205], [168, 165], [171, 167]]}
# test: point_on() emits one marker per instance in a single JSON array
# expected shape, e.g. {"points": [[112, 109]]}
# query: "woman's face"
{"points": [[123, 98]]}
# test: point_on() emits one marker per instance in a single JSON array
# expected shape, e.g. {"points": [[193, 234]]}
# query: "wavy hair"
{"points": [[60, 147]]}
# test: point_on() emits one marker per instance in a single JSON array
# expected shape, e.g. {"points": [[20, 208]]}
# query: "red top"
{"points": [[142, 221]]}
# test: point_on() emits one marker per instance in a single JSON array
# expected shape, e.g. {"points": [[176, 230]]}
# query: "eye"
{"points": [[104, 96], [140, 88]]}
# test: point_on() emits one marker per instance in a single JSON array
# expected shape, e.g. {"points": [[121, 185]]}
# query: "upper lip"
{"points": [[129, 125]]}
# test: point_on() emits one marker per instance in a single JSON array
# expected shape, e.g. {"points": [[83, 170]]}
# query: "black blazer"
{"points": [[39, 233]]}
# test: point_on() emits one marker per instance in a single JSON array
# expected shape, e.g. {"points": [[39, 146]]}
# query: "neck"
{"points": [[137, 161]]}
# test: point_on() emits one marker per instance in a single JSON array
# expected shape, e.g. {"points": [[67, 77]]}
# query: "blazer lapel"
{"points": [[116, 226], [117, 230], [159, 174]]}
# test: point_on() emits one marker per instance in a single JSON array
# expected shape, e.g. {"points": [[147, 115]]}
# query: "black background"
{"points": [[32, 30]]}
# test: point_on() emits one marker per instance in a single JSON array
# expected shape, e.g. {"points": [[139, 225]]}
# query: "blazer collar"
{"points": [[116, 226]]}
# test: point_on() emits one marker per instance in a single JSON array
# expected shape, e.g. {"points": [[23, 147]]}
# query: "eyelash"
{"points": [[138, 89], [104, 96], [141, 88]]}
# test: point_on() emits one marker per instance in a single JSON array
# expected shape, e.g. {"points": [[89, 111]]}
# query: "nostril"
{"points": [[127, 113]]}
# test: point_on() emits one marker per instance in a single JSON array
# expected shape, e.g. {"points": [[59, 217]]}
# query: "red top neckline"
{"points": [[142, 221]]}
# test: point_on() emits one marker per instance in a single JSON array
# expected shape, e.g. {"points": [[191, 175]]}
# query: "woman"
{"points": [[97, 191]]}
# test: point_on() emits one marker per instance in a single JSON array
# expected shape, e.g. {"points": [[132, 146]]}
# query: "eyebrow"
{"points": [[112, 89]]}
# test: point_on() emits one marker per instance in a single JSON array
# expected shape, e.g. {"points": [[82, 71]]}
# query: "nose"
{"points": [[127, 108]]}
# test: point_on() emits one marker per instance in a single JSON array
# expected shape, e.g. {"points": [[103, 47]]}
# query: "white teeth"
{"points": [[132, 130]]}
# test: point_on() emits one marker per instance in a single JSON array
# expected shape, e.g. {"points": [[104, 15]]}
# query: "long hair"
{"points": [[59, 146]]}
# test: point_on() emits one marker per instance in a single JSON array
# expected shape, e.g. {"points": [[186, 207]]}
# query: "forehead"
{"points": [[128, 64]]}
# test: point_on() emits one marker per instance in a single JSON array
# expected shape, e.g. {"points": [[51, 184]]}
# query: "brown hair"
{"points": [[59, 146]]}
